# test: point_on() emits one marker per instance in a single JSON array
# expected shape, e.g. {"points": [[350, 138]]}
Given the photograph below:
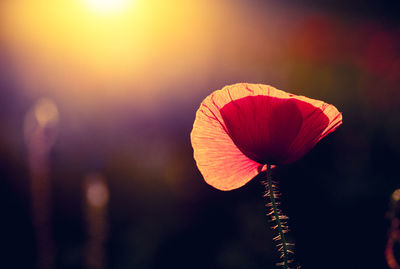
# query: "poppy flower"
{"points": [[241, 128]]}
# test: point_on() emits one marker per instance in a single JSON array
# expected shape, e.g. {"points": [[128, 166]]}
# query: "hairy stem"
{"points": [[277, 217]]}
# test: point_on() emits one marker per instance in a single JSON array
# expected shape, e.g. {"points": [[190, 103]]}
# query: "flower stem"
{"points": [[280, 220]]}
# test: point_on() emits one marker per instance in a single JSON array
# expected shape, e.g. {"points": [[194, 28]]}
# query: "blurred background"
{"points": [[97, 101]]}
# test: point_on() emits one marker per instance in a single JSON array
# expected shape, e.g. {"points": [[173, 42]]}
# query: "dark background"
{"points": [[161, 214]]}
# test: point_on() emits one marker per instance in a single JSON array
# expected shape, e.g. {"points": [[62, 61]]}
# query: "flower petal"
{"points": [[221, 163], [319, 120]]}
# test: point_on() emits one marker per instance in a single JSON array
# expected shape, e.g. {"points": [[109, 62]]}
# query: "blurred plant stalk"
{"points": [[394, 231], [96, 204], [40, 129]]}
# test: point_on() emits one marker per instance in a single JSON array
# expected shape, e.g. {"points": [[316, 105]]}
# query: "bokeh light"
{"points": [[396, 195], [96, 190], [46, 112], [40, 130], [96, 215]]}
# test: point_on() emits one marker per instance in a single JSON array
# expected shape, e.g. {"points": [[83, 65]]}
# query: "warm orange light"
{"points": [[81, 49], [46, 112], [396, 195], [41, 124], [97, 193], [108, 6], [96, 201]]}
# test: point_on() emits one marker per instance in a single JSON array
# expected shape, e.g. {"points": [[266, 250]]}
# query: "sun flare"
{"points": [[77, 50], [108, 6]]}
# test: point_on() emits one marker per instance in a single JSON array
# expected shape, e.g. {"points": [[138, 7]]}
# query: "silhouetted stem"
{"points": [[276, 213]]}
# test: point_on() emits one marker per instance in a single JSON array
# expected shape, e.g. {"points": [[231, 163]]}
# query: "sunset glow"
{"points": [[81, 49], [108, 6]]}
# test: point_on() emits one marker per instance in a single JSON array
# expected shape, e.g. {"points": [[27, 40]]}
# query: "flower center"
{"points": [[266, 128]]}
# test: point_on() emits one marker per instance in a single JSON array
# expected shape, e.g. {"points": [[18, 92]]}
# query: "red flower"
{"points": [[241, 128]]}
